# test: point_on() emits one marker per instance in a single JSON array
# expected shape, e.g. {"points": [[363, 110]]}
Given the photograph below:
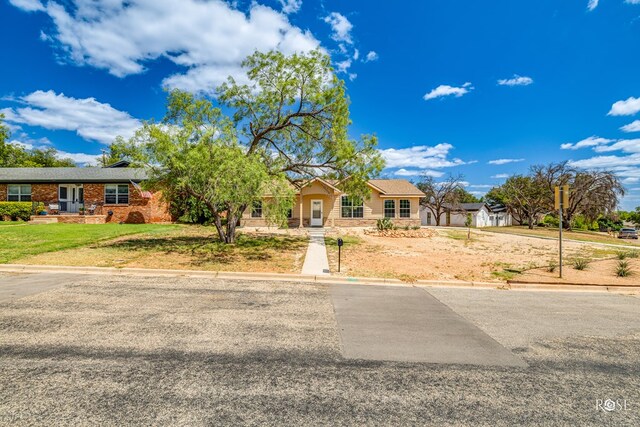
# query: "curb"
{"points": [[325, 279]]}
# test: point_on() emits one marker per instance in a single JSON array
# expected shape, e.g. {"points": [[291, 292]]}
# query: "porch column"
{"points": [[300, 203]]}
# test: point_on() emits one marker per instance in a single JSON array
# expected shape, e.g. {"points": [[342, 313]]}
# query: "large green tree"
{"points": [[288, 125]]}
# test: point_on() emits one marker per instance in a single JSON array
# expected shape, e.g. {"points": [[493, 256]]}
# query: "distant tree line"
{"points": [[18, 156], [594, 195]]}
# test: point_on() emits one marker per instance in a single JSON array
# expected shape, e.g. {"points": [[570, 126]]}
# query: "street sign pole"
{"points": [[340, 243]]}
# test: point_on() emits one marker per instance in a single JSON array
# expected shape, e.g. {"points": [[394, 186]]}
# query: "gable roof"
{"points": [[71, 175], [396, 187]]}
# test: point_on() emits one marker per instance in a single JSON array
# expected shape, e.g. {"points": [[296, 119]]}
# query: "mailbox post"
{"points": [[340, 243]]}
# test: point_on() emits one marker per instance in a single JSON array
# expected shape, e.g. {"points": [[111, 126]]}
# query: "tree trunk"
{"points": [[437, 215], [232, 222], [531, 219], [217, 221]]}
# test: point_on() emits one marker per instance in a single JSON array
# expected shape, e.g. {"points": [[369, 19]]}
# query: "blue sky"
{"points": [[484, 89]]}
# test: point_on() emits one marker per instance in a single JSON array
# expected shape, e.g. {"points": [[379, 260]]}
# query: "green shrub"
{"points": [[17, 210], [415, 227], [384, 224], [633, 254], [580, 263], [623, 269], [551, 221], [621, 255], [551, 267]]}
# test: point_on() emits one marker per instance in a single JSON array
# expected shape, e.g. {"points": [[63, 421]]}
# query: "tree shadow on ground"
{"points": [[207, 249]]}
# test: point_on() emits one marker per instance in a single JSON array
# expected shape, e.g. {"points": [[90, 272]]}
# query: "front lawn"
{"points": [[161, 246], [21, 241]]}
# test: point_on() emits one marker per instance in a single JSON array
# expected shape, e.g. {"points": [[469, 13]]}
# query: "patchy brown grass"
{"points": [[188, 247]]}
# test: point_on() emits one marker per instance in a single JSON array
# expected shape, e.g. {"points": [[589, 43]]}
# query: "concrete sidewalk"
{"points": [[316, 262]]}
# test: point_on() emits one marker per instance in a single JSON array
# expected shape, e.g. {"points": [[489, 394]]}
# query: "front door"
{"points": [[70, 197], [316, 213]]}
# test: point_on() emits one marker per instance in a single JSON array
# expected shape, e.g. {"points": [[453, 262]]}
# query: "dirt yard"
{"points": [[489, 257]]}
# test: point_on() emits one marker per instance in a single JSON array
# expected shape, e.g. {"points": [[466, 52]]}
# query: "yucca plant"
{"points": [[551, 267], [633, 254], [580, 263], [623, 269], [621, 255]]}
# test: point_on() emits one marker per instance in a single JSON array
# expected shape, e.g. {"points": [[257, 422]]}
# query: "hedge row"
{"points": [[17, 210]]}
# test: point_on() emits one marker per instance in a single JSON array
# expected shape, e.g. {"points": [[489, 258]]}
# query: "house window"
{"points": [[256, 209], [389, 208], [405, 208], [116, 194], [351, 208], [19, 193]]}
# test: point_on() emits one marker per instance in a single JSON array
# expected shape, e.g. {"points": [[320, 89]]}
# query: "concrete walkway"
{"points": [[316, 261], [410, 325]]}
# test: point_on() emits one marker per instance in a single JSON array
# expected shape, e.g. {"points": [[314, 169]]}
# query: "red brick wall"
{"points": [[46, 193], [3, 192]]}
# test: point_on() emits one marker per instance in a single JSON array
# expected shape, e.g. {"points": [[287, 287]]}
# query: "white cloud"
{"points": [[516, 80], [501, 176], [420, 157], [28, 5], [340, 26], [481, 185], [418, 172], [28, 143], [90, 119], [504, 161], [624, 145], [633, 126], [208, 39], [592, 4], [592, 141], [371, 56], [343, 66], [290, 6], [80, 158], [619, 163], [632, 1], [446, 90], [627, 107]]}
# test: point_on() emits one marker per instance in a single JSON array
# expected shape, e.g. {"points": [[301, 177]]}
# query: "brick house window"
{"points": [[351, 208], [256, 210], [389, 208], [116, 194], [19, 193], [405, 208]]}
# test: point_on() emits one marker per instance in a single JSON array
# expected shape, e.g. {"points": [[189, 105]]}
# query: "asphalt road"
{"points": [[178, 351]]}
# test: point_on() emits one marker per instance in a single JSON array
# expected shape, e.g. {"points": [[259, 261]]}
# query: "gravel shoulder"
{"points": [[141, 351]]}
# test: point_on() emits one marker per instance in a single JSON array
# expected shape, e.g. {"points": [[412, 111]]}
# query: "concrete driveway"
{"points": [[106, 350]]}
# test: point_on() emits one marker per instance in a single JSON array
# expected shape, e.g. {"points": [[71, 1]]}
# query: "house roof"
{"points": [[469, 207], [71, 175], [393, 187]]}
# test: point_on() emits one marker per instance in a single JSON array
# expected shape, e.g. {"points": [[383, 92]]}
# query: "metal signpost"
{"points": [[340, 243], [561, 202]]}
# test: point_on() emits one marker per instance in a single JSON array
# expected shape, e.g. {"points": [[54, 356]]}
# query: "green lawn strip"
{"points": [[19, 242]]}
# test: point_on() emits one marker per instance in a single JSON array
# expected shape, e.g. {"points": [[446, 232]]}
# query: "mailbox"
{"points": [[340, 242]]}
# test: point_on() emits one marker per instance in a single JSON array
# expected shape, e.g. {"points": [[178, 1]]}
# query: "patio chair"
{"points": [[54, 209], [92, 209]]}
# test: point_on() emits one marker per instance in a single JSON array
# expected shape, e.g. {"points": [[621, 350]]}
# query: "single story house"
{"points": [[85, 195], [321, 203], [482, 215]]}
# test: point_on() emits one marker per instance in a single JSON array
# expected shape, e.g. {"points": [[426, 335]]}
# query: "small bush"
{"points": [[623, 269], [17, 210], [621, 255], [415, 227], [633, 254], [384, 224], [406, 227], [551, 267], [580, 263]]}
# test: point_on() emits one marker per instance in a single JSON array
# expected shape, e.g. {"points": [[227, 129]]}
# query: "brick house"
{"points": [[321, 203], [85, 195]]}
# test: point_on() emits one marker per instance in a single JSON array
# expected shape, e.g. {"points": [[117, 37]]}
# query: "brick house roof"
{"points": [[71, 175]]}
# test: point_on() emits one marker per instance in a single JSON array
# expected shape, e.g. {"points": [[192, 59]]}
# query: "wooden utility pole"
{"points": [[561, 203]]}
